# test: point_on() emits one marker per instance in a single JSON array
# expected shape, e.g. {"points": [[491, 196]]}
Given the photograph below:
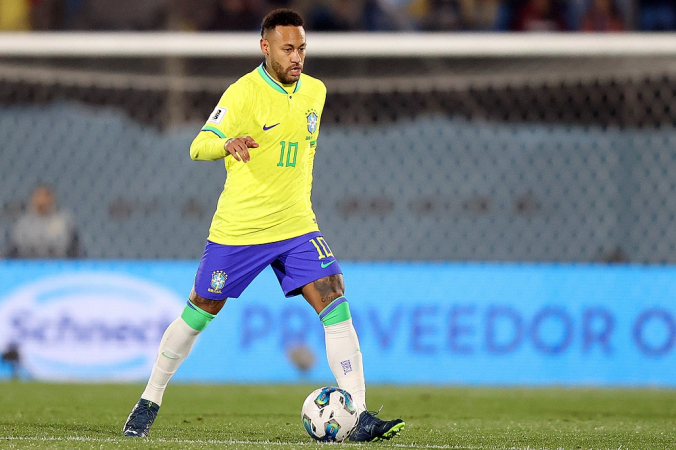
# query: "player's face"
{"points": [[284, 50]]}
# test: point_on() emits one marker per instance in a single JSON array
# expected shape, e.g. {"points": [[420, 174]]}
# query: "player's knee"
{"points": [[336, 312], [196, 317], [205, 304]]}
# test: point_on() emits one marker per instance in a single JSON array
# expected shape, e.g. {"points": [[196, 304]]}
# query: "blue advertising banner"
{"points": [[446, 323]]}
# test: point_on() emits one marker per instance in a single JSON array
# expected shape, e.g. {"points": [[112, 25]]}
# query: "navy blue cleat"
{"points": [[140, 419], [370, 428]]}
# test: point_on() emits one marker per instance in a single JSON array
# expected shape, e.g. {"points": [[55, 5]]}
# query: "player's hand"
{"points": [[239, 147]]}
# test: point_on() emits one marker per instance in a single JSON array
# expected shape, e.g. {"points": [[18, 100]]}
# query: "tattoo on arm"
{"points": [[330, 288]]}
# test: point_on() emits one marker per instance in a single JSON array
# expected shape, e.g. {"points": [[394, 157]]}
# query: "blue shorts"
{"points": [[226, 270]]}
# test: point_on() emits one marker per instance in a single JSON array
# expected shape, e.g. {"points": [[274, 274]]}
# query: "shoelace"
{"points": [[375, 413]]}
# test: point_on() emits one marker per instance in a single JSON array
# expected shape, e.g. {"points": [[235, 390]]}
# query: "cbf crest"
{"points": [[312, 121], [218, 278]]}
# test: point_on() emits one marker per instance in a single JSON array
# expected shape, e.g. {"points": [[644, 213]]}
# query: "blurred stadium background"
{"points": [[511, 155], [435, 147]]}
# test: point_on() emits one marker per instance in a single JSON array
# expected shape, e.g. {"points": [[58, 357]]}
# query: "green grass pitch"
{"points": [[74, 416]]}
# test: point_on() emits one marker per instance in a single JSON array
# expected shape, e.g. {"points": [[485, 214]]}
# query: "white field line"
{"points": [[270, 443], [239, 442]]}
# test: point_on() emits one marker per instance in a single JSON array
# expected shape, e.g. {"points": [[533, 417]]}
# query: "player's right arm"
{"points": [[219, 136], [239, 147], [209, 148]]}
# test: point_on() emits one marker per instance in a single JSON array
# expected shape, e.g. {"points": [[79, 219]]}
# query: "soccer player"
{"points": [[265, 127]]}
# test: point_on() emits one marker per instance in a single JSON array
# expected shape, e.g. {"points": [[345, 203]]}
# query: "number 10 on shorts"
{"points": [[322, 247]]}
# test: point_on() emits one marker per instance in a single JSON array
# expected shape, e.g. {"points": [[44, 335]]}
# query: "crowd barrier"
{"points": [[424, 323]]}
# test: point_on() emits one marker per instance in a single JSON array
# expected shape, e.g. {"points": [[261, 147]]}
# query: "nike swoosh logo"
{"points": [[166, 356], [271, 126], [325, 265]]}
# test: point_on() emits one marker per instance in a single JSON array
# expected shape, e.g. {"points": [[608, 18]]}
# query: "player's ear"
{"points": [[265, 46]]}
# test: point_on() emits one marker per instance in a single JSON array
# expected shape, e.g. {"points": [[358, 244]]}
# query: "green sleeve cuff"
{"points": [[214, 130]]}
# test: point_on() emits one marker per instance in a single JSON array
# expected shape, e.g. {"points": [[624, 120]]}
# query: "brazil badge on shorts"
{"points": [[218, 278]]}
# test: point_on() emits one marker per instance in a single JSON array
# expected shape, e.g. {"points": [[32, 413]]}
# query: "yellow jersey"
{"points": [[268, 198]]}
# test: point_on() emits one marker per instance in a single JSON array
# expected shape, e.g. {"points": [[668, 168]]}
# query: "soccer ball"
{"points": [[329, 414]]}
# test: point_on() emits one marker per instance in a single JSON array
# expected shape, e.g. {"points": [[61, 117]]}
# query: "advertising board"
{"points": [[446, 323]]}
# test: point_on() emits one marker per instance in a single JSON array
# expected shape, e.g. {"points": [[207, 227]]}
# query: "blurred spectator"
{"points": [[602, 15], [127, 15], [336, 15], [44, 231], [448, 15], [657, 15], [186, 15], [12, 357], [71, 10], [380, 15], [540, 15], [481, 14], [48, 15], [341, 15], [416, 9], [397, 13], [505, 14], [38, 15], [352, 15], [442, 15], [237, 15], [15, 15]]}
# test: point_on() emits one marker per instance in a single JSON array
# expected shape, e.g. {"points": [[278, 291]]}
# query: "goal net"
{"points": [[432, 147]]}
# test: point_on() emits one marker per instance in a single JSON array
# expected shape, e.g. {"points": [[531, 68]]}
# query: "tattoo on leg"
{"points": [[210, 306], [330, 288], [199, 301]]}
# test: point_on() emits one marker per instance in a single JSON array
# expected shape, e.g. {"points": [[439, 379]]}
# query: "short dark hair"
{"points": [[283, 17]]}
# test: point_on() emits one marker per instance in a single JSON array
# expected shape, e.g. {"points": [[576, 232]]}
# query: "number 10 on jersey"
{"points": [[291, 149]]}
